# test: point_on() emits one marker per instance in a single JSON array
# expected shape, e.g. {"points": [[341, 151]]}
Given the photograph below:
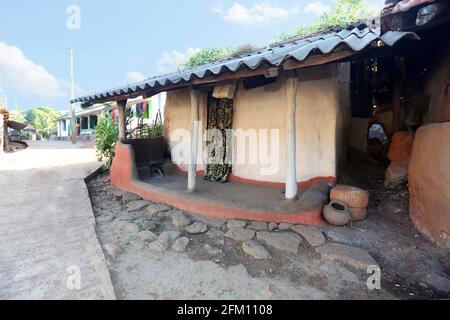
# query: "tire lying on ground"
{"points": [[353, 197], [337, 213], [358, 214]]}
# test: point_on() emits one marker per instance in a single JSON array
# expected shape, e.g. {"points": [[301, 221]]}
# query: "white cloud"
{"points": [[22, 74], [171, 61], [134, 76], [257, 15], [317, 8]]}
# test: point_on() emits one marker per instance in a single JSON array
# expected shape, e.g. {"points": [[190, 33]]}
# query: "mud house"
{"points": [[297, 92]]}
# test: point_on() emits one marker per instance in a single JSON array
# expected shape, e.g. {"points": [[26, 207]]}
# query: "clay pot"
{"points": [[358, 214], [337, 214], [353, 197]]}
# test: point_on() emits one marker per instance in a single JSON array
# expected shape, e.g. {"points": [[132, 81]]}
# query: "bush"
{"points": [[207, 55], [153, 131], [107, 133]]}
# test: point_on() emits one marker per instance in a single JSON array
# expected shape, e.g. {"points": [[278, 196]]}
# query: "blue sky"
{"points": [[122, 41]]}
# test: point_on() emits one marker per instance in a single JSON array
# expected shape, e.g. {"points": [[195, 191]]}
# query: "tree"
{"points": [[43, 119], [343, 14]]}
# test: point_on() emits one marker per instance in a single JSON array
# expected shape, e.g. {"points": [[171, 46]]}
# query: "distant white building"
{"points": [[139, 111]]}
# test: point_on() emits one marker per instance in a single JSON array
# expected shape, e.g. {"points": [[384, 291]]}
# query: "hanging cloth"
{"points": [[220, 120]]}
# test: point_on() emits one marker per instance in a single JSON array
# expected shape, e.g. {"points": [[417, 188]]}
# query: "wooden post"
{"points": [[291, 143], [192, 175], [397, 102], [1, 134], [121, 107]]}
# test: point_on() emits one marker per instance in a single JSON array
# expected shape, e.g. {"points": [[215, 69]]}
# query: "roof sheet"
{"points": [[355, 39]]}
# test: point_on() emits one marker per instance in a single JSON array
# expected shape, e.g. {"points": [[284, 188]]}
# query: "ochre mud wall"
{"points": [[322, 122], [429, 182]]}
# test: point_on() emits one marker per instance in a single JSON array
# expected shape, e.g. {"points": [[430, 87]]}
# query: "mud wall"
{"points": [[429, 182], [323, 114], [438, 87]]}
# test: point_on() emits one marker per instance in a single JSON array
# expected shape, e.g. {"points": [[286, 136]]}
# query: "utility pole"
{"points": [[72, 96]]}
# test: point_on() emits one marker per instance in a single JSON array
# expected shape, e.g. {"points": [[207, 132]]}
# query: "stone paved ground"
{"points": [[47, 227], [158, 252]]}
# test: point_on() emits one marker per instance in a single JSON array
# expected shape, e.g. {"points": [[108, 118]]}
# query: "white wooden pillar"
{"points": [[291, 143], [192, 174], [121, 107]]}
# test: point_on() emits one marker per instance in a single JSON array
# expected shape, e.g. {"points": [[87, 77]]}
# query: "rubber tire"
{"points": [[358, 214], [337, 217], [353, 197]]}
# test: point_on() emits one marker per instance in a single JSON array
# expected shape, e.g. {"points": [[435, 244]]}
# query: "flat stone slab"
{"points": [[137, 205], [350, 256], [215, 233], [312, 235], [171, 235], [285, 226], [179, 220], [161, 244], [104, 219], [119, 225], [147, 236], [212, 251], [197, 228], [180, 245], [131, 228], [114, 192], [284, 241], [258, 226], [153, 209], [113, 251], [128, 197], [236, 224], [240, 234], [255, 250]]}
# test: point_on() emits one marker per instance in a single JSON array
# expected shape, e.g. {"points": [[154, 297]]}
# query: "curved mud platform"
{"points": [[233, 200]]}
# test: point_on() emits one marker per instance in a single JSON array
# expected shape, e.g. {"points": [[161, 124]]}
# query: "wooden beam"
{"points": [[121, 107], [291, 133], [397, 102], [240, 74], [1, 134], [192, 175], [317, 60]]}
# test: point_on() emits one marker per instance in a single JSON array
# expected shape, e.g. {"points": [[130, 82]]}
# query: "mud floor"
{"points": [[149, 257]]}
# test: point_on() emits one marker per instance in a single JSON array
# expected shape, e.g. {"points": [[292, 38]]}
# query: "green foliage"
{"points": [[343, 14], [147, 132], [107, 133], [207, 55], [150, 132], [43, 119]]}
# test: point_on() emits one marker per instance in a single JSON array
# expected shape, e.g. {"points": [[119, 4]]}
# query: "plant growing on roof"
{"points": [[343, 14], [207, 55], [107, 133]]}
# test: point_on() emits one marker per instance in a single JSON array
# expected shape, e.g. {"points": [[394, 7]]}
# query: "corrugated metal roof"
{"points": [[355, 39]]}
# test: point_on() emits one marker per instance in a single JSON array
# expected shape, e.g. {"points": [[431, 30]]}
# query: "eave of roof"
{"points": [[354, 40]]}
